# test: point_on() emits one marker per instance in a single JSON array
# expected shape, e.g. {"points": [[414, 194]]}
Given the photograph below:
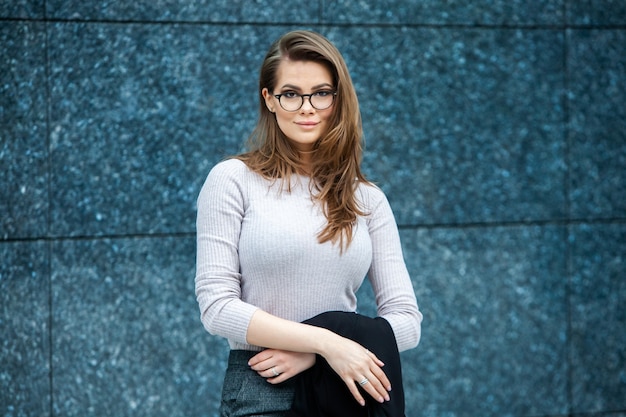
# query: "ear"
{"points": [[269, 99]]}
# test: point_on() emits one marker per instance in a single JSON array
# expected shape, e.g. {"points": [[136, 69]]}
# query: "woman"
{"points": [[290, 229]]}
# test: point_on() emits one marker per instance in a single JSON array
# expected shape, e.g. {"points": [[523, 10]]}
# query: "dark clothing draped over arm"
{"points": [[319, 390]]}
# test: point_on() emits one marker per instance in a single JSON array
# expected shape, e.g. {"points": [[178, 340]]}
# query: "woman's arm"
{"points": [[391, 283], [277, 365], [351, 361]]}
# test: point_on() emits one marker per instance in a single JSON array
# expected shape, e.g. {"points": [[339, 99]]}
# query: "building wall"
{"points": [[496, 128]]}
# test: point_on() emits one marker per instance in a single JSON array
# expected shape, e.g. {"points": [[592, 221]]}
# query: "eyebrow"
{"points": [[315, 87]]}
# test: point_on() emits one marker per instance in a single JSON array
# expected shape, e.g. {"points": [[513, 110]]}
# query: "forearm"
{"points": [[351, 361], [269, 331]]}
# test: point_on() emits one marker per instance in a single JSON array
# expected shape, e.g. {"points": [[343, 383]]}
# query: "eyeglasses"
{"points": [[320, 100]]}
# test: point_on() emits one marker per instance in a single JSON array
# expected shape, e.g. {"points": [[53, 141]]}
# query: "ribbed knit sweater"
{"points": [[257, 248]]}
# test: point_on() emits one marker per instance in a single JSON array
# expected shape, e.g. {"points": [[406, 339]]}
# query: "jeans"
{"points": [[246, 394]]}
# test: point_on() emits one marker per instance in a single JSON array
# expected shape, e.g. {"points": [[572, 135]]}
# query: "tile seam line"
{"points": [[569, 252], [53, 239], [48, 244], [401, 226], [468, 225], [381, 25]]}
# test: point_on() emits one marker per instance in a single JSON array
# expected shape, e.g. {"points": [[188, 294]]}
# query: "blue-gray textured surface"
{"points": [[23, 150], [495, 127]]}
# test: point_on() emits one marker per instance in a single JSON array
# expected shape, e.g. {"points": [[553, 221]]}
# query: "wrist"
{"points": [[324, 341]]}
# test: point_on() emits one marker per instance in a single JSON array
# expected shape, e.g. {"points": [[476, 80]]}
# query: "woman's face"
{"points": [[304, 126]]}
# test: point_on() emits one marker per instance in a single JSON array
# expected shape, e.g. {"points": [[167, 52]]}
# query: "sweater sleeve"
{"points": [[221, 208], [395, 298]]}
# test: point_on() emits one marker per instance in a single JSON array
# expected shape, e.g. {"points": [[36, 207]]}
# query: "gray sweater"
{"points": [[257, 248]]}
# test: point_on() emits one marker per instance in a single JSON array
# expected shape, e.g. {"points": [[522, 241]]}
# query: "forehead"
{"points": [[302, 74]]}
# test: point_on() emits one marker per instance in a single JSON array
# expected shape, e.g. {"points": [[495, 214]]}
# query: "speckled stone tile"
{"points": [[273, 11], [596, 99], [23, 145], [598, 317], [494, 335], [509, 12], [32, 9], [596, 12], [127, 335], [462, 125], [139, 115], [24, 329]]}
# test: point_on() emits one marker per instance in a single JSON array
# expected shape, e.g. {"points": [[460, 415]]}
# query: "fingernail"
{"points": [[362, 402], [387, 398]]}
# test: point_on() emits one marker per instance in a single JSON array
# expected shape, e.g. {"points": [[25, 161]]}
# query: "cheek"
{"points": [[327, 114], [326, 117], [284, 121]]}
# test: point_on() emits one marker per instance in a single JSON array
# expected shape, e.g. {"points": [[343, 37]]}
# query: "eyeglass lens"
{"points": [[319, 101]]}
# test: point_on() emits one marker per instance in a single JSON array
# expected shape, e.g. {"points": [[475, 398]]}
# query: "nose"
{"points": [[306, 104]]}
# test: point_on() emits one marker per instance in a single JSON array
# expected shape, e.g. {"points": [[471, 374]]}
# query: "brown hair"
{"points": [[336, 170]]}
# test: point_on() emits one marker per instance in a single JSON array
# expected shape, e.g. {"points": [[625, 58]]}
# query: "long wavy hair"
{"points": [[336, 163]]}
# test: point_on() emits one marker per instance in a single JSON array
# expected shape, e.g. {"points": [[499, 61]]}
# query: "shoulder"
{"points": [[233, 171], [228, 177], [370, 195], [375, 204], [232, 167]]}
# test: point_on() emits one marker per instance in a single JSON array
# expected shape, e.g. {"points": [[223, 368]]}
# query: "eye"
{"points": [[290, 94], [324, 93]]}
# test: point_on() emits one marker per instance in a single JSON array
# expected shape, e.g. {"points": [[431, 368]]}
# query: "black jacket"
{"points": [[319, 390]]}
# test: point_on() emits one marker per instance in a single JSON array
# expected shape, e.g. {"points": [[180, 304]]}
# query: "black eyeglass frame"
{"points": [[302, 96]]}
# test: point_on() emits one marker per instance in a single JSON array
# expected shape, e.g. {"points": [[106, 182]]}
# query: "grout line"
{"points": [[431, 226], [320, 22], [556, 222], [101, 237], [569, 270], [50, 330], [49, 212]]}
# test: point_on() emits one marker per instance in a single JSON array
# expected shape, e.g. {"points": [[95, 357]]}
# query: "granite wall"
{"points": [[497, 129]]}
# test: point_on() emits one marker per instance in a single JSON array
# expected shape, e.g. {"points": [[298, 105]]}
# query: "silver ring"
{"points": [[274, 371], [365, 381]]}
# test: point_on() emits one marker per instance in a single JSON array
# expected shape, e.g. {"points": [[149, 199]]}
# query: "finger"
{"points": [[375, 358], [262, 366], [380, 375], [271, 372], [374, 388], [260, 357], [277, 380], [274, 372], [282, 377], [263, 363], [352, 386]]}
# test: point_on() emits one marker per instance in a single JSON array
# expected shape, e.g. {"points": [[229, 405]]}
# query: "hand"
{"points": [[279, 365], [358, 367]]}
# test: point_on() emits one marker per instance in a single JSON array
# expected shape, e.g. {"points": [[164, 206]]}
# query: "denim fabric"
{"points": [[246, 394]]}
